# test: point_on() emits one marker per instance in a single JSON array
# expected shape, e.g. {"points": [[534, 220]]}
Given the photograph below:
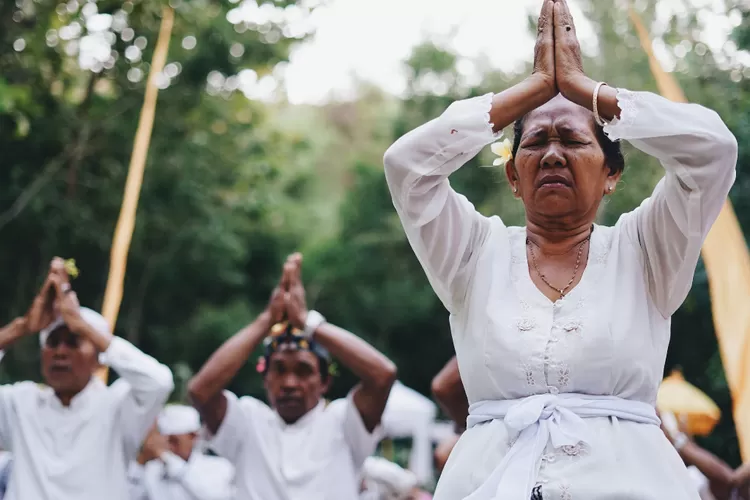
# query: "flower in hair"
{"points": [[504, 151], [333, 369], [70, 268]]}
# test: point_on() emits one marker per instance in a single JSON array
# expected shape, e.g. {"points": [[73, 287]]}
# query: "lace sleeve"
{"points": [[699, 154], [442, 226]]}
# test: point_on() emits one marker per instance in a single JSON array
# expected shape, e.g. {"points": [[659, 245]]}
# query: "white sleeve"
{"points": [[201, 478], [442, 226], [10, 396], [699, 154], [361, 442], [146, 385], [237, 429], [136, 484]]}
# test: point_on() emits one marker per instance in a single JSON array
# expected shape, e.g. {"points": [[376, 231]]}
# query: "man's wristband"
{"points": [[312, 323]]}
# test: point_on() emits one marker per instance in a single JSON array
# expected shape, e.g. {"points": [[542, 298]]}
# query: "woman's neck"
{"points": [[557, 241]]}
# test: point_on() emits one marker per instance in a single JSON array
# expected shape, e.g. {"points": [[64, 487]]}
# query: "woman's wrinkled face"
{"points": [[560, 170]]}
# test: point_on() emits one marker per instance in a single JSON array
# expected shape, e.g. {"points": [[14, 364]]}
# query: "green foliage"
{"points": [[211, 217]]}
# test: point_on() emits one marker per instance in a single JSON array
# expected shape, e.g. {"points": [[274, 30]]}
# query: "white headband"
{"points": [[93, 318], [178, 419]]}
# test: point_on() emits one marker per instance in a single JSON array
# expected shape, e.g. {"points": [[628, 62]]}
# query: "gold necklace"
{"points": [[561, 291]]}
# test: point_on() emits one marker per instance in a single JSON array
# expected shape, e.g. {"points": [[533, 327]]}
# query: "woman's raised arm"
{"points": [[699, 154], [696, 149], [443, 227]]}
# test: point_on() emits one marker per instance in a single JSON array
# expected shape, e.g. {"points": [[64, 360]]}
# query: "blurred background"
{"points": [[269, 132]]}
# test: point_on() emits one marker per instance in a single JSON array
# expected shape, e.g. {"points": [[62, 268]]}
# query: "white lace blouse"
{"points": [[608, 336]]}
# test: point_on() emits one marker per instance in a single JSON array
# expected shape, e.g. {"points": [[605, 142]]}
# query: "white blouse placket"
{"points": [[561, 325]]}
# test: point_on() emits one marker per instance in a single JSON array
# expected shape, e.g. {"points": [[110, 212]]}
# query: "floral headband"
{"points": [[285, 334]]}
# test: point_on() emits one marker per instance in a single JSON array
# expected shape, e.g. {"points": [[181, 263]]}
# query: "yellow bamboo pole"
{"points": [[727, 262], [126, 222]]}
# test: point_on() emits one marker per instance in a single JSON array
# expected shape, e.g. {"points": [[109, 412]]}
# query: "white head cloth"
{"points": [[178, 419], [93, 318], [390, 481]]}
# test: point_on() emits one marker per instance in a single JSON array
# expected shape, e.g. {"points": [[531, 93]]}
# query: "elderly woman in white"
{"points": [[561, 327]]}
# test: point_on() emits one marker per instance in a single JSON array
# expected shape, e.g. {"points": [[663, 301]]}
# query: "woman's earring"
{"points": [[515, 189], [609, 189]]}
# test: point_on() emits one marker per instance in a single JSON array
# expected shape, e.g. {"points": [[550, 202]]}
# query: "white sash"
{"points": [[538, 420]]}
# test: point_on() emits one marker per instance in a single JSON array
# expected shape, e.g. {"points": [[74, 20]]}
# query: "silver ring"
{"points": [[66, 287]]}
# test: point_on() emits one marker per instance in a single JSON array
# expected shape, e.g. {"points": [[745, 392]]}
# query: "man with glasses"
{"points": [[74, 438]]}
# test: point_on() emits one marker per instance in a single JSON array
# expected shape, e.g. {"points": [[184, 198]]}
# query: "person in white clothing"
{"points": [[561, 327], [385, 480], [171, 468], [299, 448], [74, 438]]}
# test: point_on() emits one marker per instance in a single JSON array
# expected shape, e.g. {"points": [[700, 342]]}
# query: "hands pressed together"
{"points": [[55, 298], [288, 298], [558, 70], [558, 64]]}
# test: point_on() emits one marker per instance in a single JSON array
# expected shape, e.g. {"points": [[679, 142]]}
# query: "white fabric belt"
{"points": [[538, 420]]}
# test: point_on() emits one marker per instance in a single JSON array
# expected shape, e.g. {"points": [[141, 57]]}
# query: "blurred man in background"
{"points": [[299, 448], [170, 467]]}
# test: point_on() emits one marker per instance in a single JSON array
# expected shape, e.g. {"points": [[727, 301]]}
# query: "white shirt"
{"points": [[608, 336], [202, 477], [319, 457], [82, 452]]}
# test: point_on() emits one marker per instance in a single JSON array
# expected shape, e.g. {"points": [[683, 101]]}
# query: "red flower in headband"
{"points": [[261, 366]]}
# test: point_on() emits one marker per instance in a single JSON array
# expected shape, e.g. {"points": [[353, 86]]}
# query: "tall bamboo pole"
{"points": [[126, 222]]}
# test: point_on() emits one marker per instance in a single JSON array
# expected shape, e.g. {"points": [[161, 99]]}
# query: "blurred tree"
{"points": [[215, 201]]}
